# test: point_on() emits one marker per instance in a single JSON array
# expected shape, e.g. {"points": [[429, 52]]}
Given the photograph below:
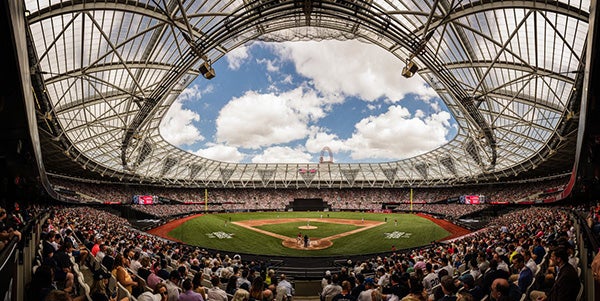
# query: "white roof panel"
{"points": [[506, 70]]}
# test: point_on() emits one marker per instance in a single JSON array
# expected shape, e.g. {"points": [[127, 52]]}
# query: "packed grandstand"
{"points": [[83, 241]]}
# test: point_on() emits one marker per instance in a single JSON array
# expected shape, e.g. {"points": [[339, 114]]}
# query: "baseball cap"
{"points": [[101, 274], [500, 251], [175, 275], [468, 279], [370, 281]]}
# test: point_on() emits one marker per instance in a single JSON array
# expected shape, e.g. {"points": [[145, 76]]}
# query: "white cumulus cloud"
{"points": [[396, 134], [319, 138], [272, 124], [236, 57], [177, 125], [353, 69], [272, 65], [221, 152], [260, 120]]}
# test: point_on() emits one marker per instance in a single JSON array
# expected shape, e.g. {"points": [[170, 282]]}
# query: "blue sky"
{"points": [[284, 102]]}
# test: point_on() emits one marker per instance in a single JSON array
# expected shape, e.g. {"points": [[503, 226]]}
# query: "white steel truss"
{"points": [[108, 71]]}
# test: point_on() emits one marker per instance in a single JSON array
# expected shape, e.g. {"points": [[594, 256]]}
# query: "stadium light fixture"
{"points": [[207, 70], [410, 69]]}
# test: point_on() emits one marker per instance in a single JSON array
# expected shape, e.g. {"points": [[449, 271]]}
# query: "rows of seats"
{"points": [[492, 248], [278, 199]]}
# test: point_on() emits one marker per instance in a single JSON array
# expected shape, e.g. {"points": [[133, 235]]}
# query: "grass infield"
{"points": [[219, 231], [324, 229]]}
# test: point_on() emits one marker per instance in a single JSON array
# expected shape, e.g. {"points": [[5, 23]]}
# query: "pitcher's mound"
{"points": [[307, 227]]}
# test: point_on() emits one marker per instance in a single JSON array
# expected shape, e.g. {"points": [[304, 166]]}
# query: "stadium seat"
{"points": [[86, 291], [462, 268], [142, 283], [580, 293], [528, 290], [84, 288], [122, 293], [112, 283]]}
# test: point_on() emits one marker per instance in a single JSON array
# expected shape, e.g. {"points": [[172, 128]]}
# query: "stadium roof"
{"points": [[105, 73]]}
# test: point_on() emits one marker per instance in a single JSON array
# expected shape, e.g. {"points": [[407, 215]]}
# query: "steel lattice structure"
{"points": [[105, 73]]}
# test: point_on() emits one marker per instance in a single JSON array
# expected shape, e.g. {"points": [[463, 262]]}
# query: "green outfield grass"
{"points": [[214, 231]]}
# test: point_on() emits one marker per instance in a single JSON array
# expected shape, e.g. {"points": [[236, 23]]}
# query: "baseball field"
{"points": [[308, 233]]}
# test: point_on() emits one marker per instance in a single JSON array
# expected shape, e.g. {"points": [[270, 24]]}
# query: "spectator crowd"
{"points": [[530, 252]]}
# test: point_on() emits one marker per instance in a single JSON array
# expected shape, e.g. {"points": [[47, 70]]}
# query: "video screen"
{"points": [[472, 199], [143, 199]]}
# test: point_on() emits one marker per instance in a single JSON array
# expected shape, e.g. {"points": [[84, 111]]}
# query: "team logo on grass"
{"points": [[396, 235], [220, 235]]}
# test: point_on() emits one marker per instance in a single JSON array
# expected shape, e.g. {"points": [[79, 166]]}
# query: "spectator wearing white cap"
{"points": [[500, 258], [326, 279]]}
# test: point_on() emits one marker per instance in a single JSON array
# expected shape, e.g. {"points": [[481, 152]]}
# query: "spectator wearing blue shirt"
{"points": [[525, 273]]}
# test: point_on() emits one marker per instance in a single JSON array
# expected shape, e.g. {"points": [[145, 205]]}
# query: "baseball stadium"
{"points": [[184, 150]]}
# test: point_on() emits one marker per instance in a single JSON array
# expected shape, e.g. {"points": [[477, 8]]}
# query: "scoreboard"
{"points": [[472, 199], [144, 199]]}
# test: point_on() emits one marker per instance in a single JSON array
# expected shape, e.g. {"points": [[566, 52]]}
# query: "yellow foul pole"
{"points": [[411, 197], [205, 200]]}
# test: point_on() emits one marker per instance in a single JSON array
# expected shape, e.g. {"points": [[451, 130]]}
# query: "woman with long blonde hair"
{"points": [[241, 295]]}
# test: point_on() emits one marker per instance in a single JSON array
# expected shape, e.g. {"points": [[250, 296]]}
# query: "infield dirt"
{"points": [[315, 242]]}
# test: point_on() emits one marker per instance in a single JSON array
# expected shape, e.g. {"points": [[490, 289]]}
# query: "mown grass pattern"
{"points": [[195, 232]]}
